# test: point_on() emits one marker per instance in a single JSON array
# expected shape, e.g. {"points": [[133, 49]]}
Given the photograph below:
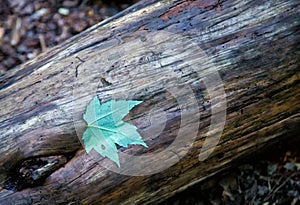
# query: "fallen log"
{"points": [[196, 65]]}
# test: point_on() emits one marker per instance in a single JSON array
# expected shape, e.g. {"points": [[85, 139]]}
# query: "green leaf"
{"points": [[105, 127]]}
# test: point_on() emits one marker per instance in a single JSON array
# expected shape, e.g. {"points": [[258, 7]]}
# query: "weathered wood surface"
{"points": [[148, 53]]}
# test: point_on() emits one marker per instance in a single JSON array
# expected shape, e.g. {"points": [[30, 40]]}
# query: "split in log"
{"points": [[189, 61]]}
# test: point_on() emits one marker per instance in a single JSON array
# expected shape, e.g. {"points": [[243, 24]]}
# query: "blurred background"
{"points": [[29, 27]]}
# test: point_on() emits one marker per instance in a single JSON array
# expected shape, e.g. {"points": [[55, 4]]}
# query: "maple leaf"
{"points": [[105, 127]]}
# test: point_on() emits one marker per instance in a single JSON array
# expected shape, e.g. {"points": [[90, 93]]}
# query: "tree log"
{"points": [[180, 58]]}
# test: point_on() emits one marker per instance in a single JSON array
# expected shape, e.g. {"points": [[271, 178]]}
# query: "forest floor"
{"points": [[29, 27], [268, 177]]}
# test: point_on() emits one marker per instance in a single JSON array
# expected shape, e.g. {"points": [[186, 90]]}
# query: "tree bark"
{"points": [[176, 56]]}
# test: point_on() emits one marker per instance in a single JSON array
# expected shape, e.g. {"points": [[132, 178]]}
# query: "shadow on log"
{"points": [[164, 53]]}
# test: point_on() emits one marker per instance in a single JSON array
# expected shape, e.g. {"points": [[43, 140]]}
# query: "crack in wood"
{"points": [[185, 5], [76, 68]]}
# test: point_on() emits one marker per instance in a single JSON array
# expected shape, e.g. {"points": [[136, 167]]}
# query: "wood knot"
{"points": [[33, 172]]}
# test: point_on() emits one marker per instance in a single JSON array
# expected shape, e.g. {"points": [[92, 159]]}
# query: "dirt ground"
{"points": [[271, 177], [29, 27]]}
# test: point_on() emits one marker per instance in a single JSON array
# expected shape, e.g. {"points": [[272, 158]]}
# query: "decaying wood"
{"points": [[151, 53]]}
